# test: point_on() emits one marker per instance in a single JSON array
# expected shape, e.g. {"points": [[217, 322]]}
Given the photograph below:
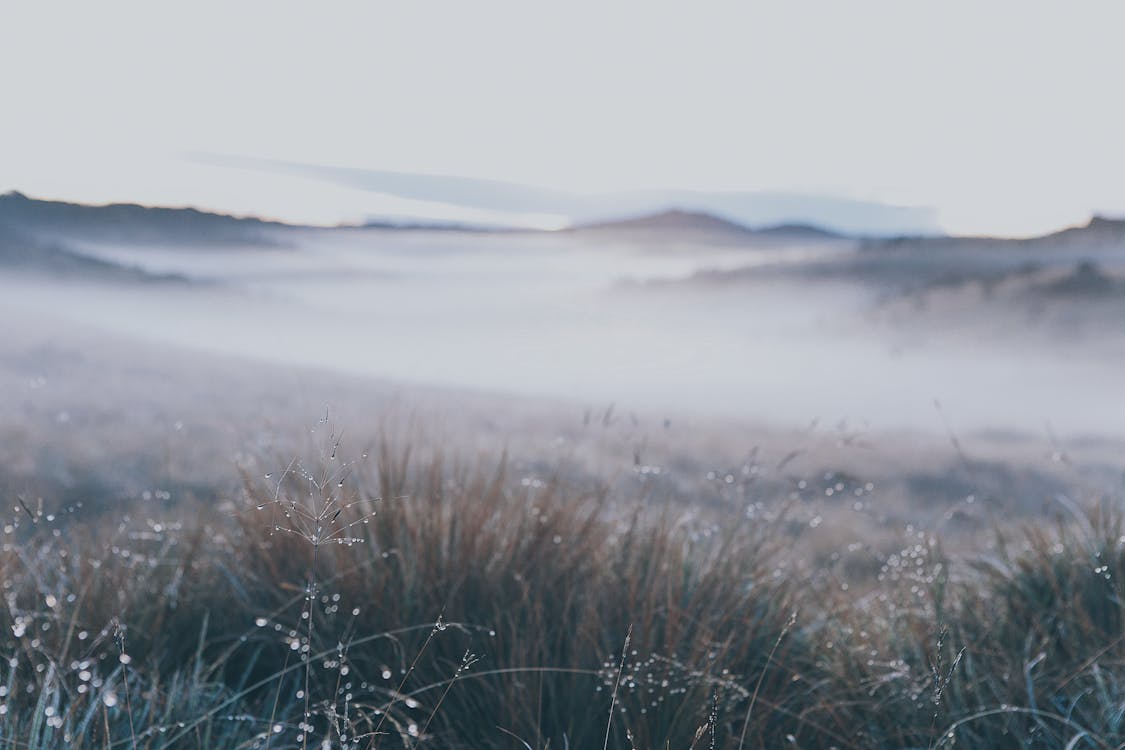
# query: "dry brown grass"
{"points": [[435, 603]]}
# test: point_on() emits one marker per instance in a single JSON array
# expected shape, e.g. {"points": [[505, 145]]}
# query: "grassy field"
{"points": [[399, 598]]}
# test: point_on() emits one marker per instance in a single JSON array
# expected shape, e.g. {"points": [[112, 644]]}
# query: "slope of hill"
{"points": [[1077, 262], [1098, 232], [23, 253], [126, 222]]}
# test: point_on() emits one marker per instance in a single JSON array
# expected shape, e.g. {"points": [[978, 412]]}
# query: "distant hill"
{"points": [[850, 216], [127, 222], [1083, 262], [1099, 231], [673, 220], [677, 225]]}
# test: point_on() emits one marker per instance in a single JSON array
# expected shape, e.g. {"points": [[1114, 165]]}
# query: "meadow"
{"points": [[405, 596], [634, 508]]}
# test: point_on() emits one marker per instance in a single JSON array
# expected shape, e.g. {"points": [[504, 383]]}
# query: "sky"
{"points": [[1005, 117]]}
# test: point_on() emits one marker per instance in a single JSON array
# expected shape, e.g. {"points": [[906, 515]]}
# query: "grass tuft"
{"points": [[437, 604]]}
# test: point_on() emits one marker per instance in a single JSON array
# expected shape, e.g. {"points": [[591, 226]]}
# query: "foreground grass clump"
{"points": [[1020, 648], [438, 605]]}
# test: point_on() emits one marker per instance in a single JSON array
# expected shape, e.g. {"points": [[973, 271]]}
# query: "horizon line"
{"points": [[404, 222]]}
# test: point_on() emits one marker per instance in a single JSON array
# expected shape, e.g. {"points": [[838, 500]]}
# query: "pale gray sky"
{"points": [[1005, 116]]}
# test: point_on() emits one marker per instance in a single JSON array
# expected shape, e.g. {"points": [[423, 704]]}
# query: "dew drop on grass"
{"points": [[261, 622]]}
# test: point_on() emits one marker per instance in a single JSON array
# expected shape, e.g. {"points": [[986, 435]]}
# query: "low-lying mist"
{"points": [[811, 330]]}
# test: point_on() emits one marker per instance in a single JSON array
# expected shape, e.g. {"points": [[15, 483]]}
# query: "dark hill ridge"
{"points": [[133, 222], [1098, 224], [1099, 229], [129, 222]]}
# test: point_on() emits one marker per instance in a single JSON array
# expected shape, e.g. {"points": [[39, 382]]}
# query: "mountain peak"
{"points": [[675, 220], [678, 224], [1105, 222]]}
